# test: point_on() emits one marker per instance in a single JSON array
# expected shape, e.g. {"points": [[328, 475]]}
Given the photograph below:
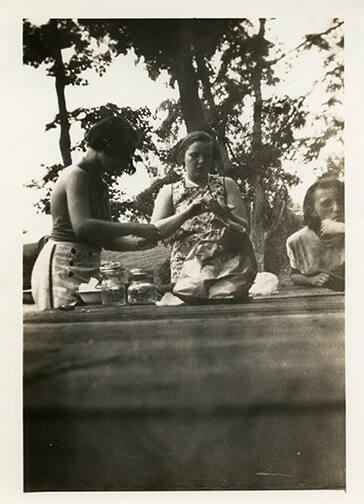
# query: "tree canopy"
{"points": [[225, 72]]}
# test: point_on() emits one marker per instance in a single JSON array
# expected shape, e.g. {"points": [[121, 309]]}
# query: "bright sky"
{"points": [[127, 84]]}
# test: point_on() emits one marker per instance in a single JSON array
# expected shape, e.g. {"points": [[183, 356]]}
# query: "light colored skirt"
{"points": [[59, 270]]}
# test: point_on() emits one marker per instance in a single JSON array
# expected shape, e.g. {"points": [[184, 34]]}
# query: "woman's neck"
{"points": [[91, 163], [198, 182]]}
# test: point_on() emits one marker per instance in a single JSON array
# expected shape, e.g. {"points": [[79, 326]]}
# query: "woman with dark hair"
{"points": [[180, 208], [81, 216], [317, 252]]}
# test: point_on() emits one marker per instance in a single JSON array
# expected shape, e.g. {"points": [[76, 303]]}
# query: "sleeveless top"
{"points": [[99, 206], [202, 226]]}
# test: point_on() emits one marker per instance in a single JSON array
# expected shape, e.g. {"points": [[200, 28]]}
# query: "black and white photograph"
{"points": [[184, 218]]}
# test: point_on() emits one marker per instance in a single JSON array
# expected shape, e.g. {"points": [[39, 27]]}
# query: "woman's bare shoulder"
{"points": [[73, 174], [163, 206], [74, 170], [166, 189], [229, 182], [165, 193]]}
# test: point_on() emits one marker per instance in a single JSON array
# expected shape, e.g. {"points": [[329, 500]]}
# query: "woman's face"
{"points": [[327, 205], [197, 161], [116, 162]]}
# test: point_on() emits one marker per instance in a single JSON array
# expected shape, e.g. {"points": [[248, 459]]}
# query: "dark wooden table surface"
{"points": [[191, 397]]}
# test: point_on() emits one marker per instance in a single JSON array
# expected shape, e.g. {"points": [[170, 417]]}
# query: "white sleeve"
{"points": [[291, 255]]}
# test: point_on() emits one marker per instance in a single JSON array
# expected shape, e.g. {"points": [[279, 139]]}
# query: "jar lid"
{"points": [[111, 267], [139, 273]]}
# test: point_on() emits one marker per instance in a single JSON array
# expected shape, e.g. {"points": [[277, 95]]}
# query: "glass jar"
{"points": [[113, 288], [142, 289]]}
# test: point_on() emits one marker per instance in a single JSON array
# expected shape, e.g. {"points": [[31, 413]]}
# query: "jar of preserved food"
{"points": [[113, 288], [142, 289]]}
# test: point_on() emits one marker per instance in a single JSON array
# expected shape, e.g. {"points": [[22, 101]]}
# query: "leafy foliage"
{"points": [[85, 118], [158, 41], [329, 121], [231, 62], [40, 44], [45, 186]]}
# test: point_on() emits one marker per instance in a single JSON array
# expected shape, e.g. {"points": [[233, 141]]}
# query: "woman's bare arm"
{"points": [[164, 218], [318, 280], [96, 230], [235, 201]]}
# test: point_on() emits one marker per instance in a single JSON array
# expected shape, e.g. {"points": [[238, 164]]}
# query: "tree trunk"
{"points": [[185, 74], [275, 257], [59, 72], [258, 237], [224, 155], [257, 227], [203, 76]]}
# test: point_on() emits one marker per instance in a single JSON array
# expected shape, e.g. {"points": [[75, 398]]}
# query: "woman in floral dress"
{"points": [[180, 209]]}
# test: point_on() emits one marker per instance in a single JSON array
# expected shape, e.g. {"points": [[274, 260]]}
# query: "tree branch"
{"points": [[305, 42]]}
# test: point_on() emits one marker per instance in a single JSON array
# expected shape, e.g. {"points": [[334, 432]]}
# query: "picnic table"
{"points": [[222, 397]]}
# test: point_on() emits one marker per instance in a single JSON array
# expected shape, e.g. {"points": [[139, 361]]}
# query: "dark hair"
{"points": [[310, 217], [112, 134], [192, 137]]}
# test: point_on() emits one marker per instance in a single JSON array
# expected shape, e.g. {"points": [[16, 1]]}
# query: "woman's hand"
{"points": [[224, 213], [197, 207], [330, 227], [319, 280], [236, 228], [218, 207]]}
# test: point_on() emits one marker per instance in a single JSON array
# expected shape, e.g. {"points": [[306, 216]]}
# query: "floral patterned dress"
{"points": [[204, 226]]}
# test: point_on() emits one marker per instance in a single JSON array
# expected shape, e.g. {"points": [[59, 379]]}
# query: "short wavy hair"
{"points": [[113, 131], [310, 218], [192, 137], [113, 135]]}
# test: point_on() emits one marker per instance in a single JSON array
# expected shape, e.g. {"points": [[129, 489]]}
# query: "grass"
{"points": [[146, 259]]}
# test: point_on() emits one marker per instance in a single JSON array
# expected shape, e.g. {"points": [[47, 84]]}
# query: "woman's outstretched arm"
{"points": [[96, 230]]}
